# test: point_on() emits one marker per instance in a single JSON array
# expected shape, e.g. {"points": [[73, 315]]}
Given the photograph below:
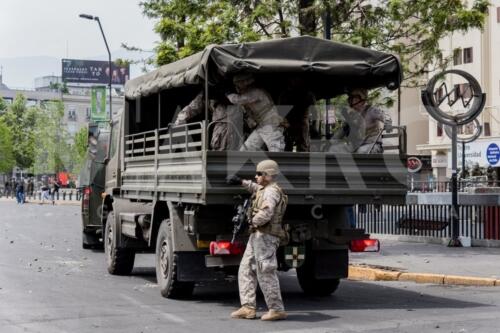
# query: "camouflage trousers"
{"points": [[270, 135], [259, 265], [370, 148]]}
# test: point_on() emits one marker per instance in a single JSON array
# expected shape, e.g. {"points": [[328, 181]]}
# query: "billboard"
{"points": [[98, 104], [93, 72]]}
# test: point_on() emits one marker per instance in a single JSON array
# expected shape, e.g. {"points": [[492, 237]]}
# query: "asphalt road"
{"points": [[49, 284]]}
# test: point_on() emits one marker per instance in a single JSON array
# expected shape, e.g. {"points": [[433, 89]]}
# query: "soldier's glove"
{"points": [[234, 180]]}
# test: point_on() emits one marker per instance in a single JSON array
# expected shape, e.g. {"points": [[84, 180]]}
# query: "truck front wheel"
{"points": [[166, 266], [120, 261]]}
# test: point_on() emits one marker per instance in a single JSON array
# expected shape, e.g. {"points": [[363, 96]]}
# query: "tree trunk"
{"points": [[307, 18]]}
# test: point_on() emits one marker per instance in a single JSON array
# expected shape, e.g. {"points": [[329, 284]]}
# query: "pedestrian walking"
{"points": [[259, 263], [20, 191], [55, 189], [45, 193]]}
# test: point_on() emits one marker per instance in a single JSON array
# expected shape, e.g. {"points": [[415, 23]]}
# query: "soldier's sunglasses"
{"points": [[258, 173]]}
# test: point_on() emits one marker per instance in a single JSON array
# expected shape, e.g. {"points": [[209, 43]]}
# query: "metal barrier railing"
{"points": [[72, 195], [445, 186], [179, 138], [476, 222]]}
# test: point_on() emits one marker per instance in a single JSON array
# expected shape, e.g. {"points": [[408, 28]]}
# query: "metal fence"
{"points": [[476, 222], [64, 195], [445, 186]]}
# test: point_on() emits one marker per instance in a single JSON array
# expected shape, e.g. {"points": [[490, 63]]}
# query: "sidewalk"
{"points": [[47, 202], [428, 263]]}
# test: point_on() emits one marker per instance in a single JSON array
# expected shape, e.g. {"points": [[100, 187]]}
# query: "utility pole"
{"points": [[110, 64]]}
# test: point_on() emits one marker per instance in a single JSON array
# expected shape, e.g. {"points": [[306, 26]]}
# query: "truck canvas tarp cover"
{"points": [[332, 66]]}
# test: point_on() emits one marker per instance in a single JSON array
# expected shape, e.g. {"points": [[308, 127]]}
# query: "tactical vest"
{"points": [[274, 226]]}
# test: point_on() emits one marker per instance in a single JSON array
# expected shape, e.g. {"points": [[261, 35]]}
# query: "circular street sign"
{"points": [[493, 154], [414, 164], [456, 104]]}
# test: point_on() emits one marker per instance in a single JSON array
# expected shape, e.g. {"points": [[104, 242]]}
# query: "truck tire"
{"points": [[166, 266], [120, 261], [90, 240], [313, 286]]}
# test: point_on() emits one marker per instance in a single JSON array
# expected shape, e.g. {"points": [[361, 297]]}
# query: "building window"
{"points": [[468, 58], [72, 113], [31, 102], [498, 14], [87, 113], [7, 100], [487, 129], [457, 57], [439, 130]]}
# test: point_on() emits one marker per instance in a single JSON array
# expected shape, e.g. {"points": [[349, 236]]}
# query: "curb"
{"points": [[57, 202], [367, 273]]}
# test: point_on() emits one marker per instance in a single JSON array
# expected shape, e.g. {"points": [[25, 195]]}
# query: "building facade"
{"points": [[476, 52]]}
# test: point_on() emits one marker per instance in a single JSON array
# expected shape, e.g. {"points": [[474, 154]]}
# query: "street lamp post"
{"points": [[96, 18]]}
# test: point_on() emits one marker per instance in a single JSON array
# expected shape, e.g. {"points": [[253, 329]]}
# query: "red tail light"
{"points": [[219, 248], [365, 245], [87, 191]]}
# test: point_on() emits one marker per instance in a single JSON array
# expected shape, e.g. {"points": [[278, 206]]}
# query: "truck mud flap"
{"points": [[330, 264], [191, 267]]}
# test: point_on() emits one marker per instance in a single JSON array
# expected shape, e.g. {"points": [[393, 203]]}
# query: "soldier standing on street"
{"points": [[259, 263], [262, 115]]}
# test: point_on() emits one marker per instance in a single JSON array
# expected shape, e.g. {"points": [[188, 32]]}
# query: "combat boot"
{"points": [[274, 315], [245, 312]]}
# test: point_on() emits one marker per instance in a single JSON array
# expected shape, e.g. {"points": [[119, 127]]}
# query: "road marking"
{"points": [[168, 316]]}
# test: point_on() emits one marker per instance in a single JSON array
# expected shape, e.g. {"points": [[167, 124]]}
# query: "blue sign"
{"points": [[493, 154]]}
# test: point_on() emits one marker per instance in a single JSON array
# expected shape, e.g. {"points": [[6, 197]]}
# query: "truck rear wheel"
{"points": [[313, 286], [120, 261], [166, 266]]}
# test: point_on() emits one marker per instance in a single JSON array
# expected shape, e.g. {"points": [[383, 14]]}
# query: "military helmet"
{"points": [[362, 93], [244, 78], [269, 167]]}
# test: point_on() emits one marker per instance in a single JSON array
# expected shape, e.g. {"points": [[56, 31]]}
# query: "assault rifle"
{"points": [[240, 219]]}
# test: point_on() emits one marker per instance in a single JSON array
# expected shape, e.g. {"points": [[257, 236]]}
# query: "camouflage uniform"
{"points": [[194, 108], [263, 115], [364, 132], [259, 263], [224, 136]]}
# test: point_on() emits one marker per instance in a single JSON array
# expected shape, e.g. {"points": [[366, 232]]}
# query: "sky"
{"points": [[52, 28]]}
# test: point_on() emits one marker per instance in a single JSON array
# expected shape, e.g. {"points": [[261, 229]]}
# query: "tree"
{"points": [[3, 106], [410, 29], [53, 150], [6, 154], [79, 148], [21, 122]]}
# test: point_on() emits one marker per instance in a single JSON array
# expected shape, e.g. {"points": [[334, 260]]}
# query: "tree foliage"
{"points": [[6, 154], [53, 151], [21, 121], [79, 148], [410, 29]]}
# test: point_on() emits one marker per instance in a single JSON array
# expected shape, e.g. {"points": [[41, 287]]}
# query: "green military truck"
{"points": [[166, 191]]}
